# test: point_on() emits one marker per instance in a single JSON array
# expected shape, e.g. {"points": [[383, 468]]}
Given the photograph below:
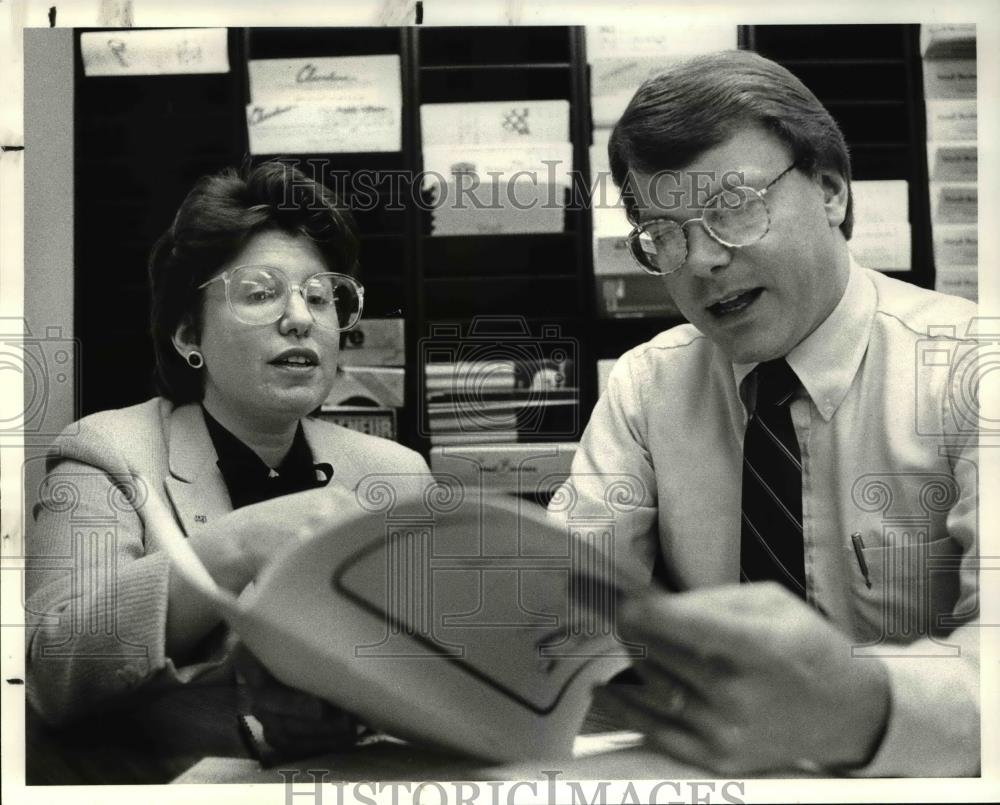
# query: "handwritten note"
{"points": [[343, 80], [312, 128], [160, 52]]}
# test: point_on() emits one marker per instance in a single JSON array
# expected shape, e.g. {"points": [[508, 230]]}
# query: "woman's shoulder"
{"points": [[103, 435], [373, 452]]}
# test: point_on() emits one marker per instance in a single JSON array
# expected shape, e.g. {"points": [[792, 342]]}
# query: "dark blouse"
{"points": [[250, 480]]}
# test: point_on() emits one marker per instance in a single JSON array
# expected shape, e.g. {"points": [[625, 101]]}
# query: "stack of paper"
{"points": [[487, 401], [324, 105], [496, 167], [949, 53]]}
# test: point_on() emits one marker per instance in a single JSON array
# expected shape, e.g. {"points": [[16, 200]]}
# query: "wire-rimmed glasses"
{"points": [[735, 217]]}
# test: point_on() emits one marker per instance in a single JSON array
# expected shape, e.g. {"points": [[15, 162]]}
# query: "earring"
{"points": [[194, 359]]}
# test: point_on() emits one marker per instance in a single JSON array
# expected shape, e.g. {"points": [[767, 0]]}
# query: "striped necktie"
{"points": [[771, 525]]}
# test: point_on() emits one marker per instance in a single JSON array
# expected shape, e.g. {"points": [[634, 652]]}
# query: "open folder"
{"points": [[450, 618]]}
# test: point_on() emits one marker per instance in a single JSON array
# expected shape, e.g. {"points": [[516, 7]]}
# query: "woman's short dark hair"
{"points": [[701, 102], [214, 222]]}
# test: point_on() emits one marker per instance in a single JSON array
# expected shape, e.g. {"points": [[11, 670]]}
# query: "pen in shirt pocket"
{"points": [[859, 551]]}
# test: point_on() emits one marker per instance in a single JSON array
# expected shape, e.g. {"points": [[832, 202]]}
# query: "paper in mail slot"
{"points": [[882, 246], [958, 281], [161, 52], [309, 128], [951, 119], [344, 80], [538, 163], [678, 39], [883, 201], [953, 162], [494, 122], [950, 78], [954, 203], [956, 245]]}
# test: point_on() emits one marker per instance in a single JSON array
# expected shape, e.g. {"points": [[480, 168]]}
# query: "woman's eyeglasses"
{"points": [[736, 217], [260, 294]]}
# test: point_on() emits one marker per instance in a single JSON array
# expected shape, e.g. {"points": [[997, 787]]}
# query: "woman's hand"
{"points": [[295, 724], [236, 547]]}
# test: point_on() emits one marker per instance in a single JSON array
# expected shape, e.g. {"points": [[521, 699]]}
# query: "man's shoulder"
{"points": [[680, 345], [921, 311]]}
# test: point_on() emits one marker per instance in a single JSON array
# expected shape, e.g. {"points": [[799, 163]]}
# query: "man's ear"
{"points": [[185, 338], [835, 195]]}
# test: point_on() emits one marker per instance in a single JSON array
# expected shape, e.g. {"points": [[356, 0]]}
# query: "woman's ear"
{"points": [[835, 195], [185, 338]]}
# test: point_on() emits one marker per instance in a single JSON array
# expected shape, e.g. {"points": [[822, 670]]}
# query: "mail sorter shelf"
{"points": [[494, 45]]}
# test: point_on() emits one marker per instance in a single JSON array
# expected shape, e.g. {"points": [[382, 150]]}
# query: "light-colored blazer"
{"points": [[97, 578]]}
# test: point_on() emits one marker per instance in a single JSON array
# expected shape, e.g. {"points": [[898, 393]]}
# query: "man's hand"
{"points": [[749, 678]]}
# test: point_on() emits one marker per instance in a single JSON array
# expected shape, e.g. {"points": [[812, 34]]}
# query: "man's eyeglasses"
{"points": [[735, 217], [260, 294]]}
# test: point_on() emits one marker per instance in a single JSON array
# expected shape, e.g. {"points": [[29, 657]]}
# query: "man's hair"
{"points": [[701, 102], [214, 222]]}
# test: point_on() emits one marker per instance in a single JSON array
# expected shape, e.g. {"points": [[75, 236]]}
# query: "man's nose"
{"points": [[706, 256]]}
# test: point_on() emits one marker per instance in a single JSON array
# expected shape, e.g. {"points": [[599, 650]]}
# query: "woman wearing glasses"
{"points": [[252, 286]]}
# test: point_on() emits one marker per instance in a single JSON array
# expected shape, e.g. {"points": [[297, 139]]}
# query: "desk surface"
{"points": [[192, 736]]}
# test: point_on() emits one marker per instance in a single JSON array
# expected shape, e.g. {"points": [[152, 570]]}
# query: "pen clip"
{"points": [[859, 552]]}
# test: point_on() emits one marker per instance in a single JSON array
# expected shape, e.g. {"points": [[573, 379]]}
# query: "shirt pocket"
{"points": [[913, 585]]}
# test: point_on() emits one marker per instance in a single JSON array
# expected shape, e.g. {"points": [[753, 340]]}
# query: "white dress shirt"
{"points": [[887, 433]]}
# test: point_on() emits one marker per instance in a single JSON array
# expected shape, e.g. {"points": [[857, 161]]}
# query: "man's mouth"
{"points": [[734, 302]]}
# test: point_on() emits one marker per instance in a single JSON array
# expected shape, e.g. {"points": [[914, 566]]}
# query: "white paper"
{"points": [[341, 80], [511, 122], [956, 244], [611, 257], [957, 280], [306, 128], [610, 222], [606, 109], [676, 39], [950, 78], [537, 163], [883, 246], [952, 119], [953, 162], [884, 201], [954, 203], [539, 209], [161, 52], [942, 40], [375, 342]]}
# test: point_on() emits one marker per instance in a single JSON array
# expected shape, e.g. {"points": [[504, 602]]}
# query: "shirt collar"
{"points": [[827, 360], [248, 478]]}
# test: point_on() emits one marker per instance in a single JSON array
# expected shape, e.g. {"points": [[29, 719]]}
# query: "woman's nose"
{"points": [[297, 316]]}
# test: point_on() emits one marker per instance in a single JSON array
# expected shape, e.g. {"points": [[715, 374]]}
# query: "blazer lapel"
{"points": [[195, 486], [348, 470]]}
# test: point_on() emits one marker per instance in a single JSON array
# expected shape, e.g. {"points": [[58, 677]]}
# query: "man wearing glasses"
{"points": [[802, 475]]}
